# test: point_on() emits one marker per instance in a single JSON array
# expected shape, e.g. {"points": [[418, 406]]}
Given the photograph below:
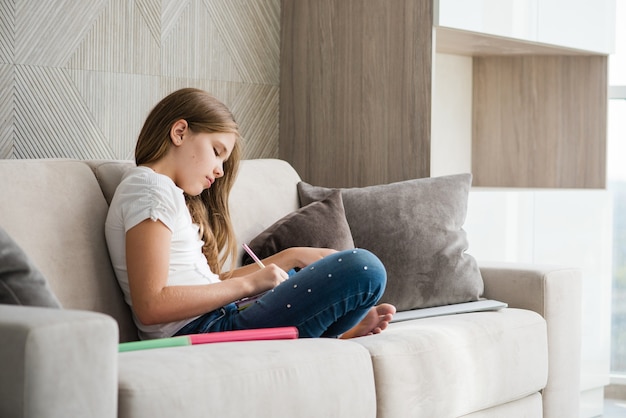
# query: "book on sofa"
{"points": [[476, 306], [280, 333]]}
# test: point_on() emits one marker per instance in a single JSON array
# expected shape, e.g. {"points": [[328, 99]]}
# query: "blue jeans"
{"points": [[324, 299]]}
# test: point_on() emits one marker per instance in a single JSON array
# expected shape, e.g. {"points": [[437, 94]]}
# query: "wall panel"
{"points": [[356, 90], [539, 121], [78, 78]]}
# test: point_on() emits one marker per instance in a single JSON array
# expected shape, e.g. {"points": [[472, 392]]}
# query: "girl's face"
{"points": [[200, 159]]}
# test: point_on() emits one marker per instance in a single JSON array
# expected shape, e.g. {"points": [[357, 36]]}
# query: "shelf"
{"points": [[462, 42]]}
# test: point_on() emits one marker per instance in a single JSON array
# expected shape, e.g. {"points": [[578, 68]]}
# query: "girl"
{"points": [[169, 222]]}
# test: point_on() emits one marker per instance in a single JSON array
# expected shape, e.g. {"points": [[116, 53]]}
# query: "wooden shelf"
{"points": [[356, 99], [461, 42]]}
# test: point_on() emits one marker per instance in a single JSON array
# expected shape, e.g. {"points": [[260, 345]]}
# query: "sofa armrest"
{"points": [[555, 294], [57, 363]]}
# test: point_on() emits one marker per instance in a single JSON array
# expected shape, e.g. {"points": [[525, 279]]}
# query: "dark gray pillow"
{"points": [[20, 281], [415, 228], [321, 224]]}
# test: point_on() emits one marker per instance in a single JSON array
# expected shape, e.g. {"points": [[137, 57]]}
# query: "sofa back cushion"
{"points": [[55, 211], [109, 173], [265, 191]]}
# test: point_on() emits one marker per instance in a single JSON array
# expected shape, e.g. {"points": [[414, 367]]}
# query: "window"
{"points": [[616, 175]]}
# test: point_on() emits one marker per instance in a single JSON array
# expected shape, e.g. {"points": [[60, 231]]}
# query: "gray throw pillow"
{"points": [[20, 281], [415, 228], [321, 224]]}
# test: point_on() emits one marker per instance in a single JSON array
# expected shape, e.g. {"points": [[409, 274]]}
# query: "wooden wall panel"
{"points": [[540, 121], [355, 97]]}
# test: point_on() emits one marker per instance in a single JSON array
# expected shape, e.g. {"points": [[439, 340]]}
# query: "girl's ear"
{"points": [[178, 130]]}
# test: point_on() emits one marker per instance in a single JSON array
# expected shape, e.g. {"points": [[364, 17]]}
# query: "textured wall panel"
{"points": [[255, 46], [256, 105], [50, 118], [48, 32], [170, 14], [150, 11], [7, 29], [7, 107], [77, 79], [193, 48], [118, 103], [120, 40]]}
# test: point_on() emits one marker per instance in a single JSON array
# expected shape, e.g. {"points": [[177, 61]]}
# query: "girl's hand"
{"points": [[265, 279], [295, 257]]}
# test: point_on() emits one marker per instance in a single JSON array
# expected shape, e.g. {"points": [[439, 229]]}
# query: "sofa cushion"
{"points": [[314, 377], [264, 192], [530, 406], [478, 360], [416, 229], [109, 175], [57, 217], [319, 224], [21, 283]]}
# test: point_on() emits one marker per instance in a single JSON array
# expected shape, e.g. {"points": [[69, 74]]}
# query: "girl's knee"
{"points": [[369, 265]]}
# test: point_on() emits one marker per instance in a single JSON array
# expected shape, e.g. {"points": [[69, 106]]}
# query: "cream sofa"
{"points": [[521, 361]]}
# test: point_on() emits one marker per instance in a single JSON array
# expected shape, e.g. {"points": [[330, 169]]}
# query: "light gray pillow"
{"points": [[416, 228], [20, 281], [320, 224]]}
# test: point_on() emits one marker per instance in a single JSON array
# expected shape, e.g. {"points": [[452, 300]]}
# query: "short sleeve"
{"points": [[149, 196]]}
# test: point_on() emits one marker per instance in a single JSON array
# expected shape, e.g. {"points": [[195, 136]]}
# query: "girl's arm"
{"points": [[295, 257], [147, 259]]}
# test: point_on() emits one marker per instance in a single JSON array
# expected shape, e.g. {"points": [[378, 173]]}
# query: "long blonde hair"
{"points": [[203, 113]]}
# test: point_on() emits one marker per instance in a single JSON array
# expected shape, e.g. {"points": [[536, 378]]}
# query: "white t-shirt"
{"points": [[143, 194]]}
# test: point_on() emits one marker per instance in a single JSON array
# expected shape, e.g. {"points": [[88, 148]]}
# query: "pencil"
{"points": [[253, 255]]}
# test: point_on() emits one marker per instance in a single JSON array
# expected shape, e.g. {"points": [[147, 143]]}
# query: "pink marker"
{"points": [[253, 255]]}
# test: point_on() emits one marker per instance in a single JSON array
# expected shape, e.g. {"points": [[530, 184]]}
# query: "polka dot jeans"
{"points": [[324, 299]]}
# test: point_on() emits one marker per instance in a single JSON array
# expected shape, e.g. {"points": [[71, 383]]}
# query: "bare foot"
{"points": [[374, 322]]}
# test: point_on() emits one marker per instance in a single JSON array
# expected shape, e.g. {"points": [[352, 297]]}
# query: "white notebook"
{"points": [[477, 306]]}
